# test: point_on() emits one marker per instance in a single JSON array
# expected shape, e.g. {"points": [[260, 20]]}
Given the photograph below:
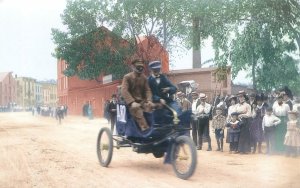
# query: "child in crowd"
{"points": [[292, 136], [234, 132], [269, 123], [218, 124]]}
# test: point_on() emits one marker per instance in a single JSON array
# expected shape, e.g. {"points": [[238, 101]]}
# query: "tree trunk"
{"points": [[196, 43], [253, 71]]}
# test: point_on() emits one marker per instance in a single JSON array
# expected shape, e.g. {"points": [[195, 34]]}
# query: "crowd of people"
{"points": [[249, 120], [58, 112]]}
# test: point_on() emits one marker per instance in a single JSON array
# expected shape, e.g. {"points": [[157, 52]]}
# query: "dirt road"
{"points": [[37, 152]]}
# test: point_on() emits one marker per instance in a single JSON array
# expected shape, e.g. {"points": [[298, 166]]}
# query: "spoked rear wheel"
{"points": [[104, 146], [184, 157]]}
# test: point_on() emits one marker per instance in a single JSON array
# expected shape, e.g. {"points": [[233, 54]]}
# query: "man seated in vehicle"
{"points": [[136, 93], [162, 89]]}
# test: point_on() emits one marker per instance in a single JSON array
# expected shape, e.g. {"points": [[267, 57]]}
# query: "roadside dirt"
{"points": [[37, 152]]}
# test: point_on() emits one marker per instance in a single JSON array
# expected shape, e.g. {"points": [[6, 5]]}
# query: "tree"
{"points": [[84, 47], [128, 18], [264, 39]]}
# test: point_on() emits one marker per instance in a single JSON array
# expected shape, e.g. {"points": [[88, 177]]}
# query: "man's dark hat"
{"points": [[137, 62], [260, 97]]}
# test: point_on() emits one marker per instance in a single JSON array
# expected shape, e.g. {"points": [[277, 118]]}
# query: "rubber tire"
{"points": [[158, 154], [187, 140], [110, 147]]}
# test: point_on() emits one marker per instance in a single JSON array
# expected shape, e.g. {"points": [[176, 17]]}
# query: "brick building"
{"points": [[7, 89], [75, 92], [205, 78]]}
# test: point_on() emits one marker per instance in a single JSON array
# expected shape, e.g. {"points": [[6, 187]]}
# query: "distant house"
{"points": [[75, 92], [48, 93], [26, 91], [8, 89], [206, 80]]}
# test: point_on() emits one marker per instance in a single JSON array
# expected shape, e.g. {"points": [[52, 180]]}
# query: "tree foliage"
{"points": [[251, 35], [264, 41]]}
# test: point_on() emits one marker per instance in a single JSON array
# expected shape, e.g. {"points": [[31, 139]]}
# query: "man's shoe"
{"points": [[199, 148], [208, 149]]}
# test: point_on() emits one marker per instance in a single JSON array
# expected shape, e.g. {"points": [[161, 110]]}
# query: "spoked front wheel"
{"points": [[105, 146], [184, 157]]}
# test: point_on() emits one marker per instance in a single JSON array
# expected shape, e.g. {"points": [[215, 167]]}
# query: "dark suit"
{"points": [[157, 94], [156, 88]]}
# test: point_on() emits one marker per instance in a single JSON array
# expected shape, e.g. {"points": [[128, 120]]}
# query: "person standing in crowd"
{"points": [[137, 93], [85, 109], [287, 96], [256, 130], [112, 108], [90, 110], [106, 111], [292, 137], [194, 120], [280, 109], [184, 102], [232, 108], [268, 124], [218, 124], [244, 110], [252, 99], [59, 114], [203, 111], [234, 132]]}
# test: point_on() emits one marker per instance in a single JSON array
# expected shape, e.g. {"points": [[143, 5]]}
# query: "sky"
{"points": [[26, 45]]}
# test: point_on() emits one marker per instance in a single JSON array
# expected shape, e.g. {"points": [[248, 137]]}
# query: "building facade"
{"points": [[26, 92], [206, 80], [38, 94], [49, 93], [8, 89]]}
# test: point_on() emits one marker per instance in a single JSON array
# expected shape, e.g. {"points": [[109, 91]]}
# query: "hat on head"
{"points": [[232, 97], [252, 95], [260, 97], [242, 92], [155, 65], [202, 96], [194, 93], [138, 62]]}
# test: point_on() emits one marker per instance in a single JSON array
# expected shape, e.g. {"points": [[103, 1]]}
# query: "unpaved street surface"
{"points": [[37, 152]]}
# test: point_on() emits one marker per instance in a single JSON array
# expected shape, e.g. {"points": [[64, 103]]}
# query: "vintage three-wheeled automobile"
{"points": [[168, 137]]}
